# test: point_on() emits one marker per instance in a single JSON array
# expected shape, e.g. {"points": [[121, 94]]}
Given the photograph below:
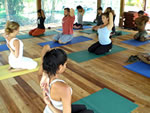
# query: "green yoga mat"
{"points": [[88, 23], [106, 101], [84, 55], [88, 31], [27, 36], [120, 33]]}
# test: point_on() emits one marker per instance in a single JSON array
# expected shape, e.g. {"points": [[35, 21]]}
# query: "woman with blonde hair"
{"points": [[16, 59]]}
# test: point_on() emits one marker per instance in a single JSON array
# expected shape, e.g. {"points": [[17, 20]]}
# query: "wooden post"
{"points": [[98, 3], [144, 8], [38, 2], [122, 4]]}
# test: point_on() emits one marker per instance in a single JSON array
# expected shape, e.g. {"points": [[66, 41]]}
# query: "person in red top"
{"points": [[67, 26]]}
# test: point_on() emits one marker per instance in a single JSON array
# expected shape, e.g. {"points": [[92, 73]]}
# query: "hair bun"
{"points": [[8, 30], [11, 26]]}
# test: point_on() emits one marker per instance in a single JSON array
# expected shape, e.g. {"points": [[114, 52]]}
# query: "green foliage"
{"points": [[21, 20], [130, 3], [29, 0], [3, 14], [133, 2], [2, 1], [15, 6]]}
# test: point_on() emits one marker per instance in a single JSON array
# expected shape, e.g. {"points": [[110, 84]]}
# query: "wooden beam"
{"points": [[144, 8], [122, 4], [98, 3], [38, 2]]}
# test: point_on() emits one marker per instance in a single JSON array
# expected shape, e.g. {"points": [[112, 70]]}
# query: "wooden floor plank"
{"points": [[32, 103], [23, 95], [14, 95], [10, 104]]}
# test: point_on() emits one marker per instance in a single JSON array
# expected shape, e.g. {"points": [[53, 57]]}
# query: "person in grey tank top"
{"points": [[79, 23]]}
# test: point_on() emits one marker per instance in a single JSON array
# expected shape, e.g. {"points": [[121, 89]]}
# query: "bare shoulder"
{"points": [[62, 88], [16, 42]]}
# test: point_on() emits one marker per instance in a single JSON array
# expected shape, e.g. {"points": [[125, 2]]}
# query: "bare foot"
{"points": [[55, 40], [60, 42], [15, 69], [76, 27], [145, 55], [10, 68], [44, 50]]}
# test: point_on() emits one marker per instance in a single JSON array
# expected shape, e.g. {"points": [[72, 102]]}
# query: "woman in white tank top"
{"points": [[56, 93], [16, 59]]}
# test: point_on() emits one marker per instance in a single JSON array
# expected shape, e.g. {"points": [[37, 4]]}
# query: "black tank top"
{"points": [[40, 22], [99, 20]]}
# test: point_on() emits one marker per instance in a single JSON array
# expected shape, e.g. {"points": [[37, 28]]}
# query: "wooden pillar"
{"points": [[122, 4], [38, 2], [144, 8], [98, 3]]}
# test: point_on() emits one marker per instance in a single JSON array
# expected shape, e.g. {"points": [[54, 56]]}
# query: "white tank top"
{"points": [[20, 47], [56, 104]]}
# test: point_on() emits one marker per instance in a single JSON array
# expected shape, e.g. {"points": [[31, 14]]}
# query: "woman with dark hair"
{"points": [[98, 19], [108, 10], [104, 44], [57, 94], [40, 21]]}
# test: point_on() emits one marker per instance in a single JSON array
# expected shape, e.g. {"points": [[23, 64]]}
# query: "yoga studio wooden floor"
{"points": [[22, 94]]}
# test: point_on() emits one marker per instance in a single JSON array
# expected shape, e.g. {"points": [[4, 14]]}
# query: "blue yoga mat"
{"points": [[140, 68], [84, 27], [106, 101], [135, 42], [27, 36], [3, 47], [74, 41]]}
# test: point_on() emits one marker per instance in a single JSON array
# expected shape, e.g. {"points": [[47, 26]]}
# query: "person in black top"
{"points": [[40, 21], [98, 19]]}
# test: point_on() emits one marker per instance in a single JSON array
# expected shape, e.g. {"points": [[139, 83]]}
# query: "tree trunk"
{"points": [[7, 10]]}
